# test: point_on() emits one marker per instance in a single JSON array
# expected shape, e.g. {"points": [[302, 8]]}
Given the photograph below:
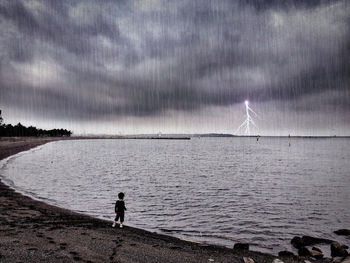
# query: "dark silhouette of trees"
{"points": [[8, 130], [1, 119]]}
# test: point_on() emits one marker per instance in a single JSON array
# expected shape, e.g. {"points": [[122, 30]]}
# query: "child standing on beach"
{"points": [[119, 210]]}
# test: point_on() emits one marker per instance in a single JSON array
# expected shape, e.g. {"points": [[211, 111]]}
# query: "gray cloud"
{"points": [[92, 59]]}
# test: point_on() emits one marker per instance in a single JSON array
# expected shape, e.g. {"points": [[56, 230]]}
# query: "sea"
{"points": [[209, 190]]}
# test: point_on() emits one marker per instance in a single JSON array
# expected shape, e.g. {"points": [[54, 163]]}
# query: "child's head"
{"points": [[121, 196]]}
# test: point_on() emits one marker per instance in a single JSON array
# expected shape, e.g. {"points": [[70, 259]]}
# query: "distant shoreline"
{"points": [[165, 137]]}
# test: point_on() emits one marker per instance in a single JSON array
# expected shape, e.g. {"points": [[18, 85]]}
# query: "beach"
{"points": [[32, 231]]}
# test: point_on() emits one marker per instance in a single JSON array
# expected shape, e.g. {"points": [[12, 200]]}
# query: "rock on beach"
{"points": [[285, 253], [309, 241], [338, 250], [241, 246], [342, 232], [299, 242], [304, 252], [316, 254]]}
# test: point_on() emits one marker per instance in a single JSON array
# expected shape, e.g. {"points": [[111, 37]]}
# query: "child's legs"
{"points": [[116, 217], [121, 217]]}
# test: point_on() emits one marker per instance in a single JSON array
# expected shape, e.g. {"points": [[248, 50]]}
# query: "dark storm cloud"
{"points": [[52, 24], [91, 59]]}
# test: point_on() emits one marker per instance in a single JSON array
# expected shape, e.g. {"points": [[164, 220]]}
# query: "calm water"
{"points": [[219, 191]]}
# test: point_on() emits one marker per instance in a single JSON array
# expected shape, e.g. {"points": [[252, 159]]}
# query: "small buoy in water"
{"points": [[289, 140]]}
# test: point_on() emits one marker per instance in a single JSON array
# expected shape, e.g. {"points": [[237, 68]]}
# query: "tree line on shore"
{"points": [[8, 130]]}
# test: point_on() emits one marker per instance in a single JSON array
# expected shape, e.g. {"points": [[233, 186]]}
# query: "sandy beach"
{"points": [[32, 231]]}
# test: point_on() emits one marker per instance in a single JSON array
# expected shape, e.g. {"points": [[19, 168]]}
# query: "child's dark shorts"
{"points": [[119, 215]]}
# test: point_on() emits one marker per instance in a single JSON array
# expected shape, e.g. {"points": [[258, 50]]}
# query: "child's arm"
{"points": [[124, 207]]}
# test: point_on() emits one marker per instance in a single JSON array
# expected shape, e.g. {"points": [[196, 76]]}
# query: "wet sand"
{"points": [[32, 231]]}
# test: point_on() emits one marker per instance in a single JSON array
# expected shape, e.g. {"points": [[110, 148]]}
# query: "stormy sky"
{"points": [[149, 66]]}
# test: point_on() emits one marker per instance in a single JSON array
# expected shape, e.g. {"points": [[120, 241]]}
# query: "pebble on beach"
{"points": [[317, 249], [316, 254], [248, 260]]}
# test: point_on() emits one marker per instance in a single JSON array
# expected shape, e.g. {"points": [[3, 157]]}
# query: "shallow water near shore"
{"points": [[214, 190]]}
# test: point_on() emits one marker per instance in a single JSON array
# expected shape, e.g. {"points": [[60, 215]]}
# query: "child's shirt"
{"points": [[119, 206]]}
